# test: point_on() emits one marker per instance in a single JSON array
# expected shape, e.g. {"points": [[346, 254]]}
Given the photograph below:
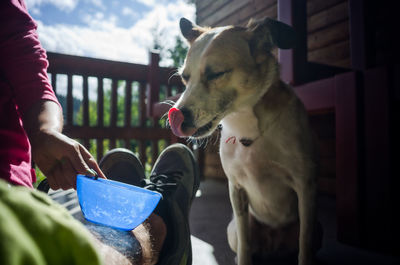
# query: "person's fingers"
{"points": [[90, 161], [59, 174], [93, 164], [52, 179], [77, 160], [69, 174]]}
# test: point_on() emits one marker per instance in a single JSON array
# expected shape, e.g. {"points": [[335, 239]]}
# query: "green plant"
{"points": [[178, 52]]}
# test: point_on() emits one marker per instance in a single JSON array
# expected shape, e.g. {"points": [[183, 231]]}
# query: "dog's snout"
{"points": [[181, 122], [188, 117], [176, 118]]}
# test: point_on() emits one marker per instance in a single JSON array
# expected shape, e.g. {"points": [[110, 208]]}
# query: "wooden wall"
{"points": [[238, 12], [328, 24], [328, 32]]}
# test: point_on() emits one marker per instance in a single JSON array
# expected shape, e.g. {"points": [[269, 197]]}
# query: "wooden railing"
{"points": [[150, 83]]}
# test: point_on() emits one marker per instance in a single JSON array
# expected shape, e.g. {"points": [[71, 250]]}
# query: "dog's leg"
{"points": [[240, 206], [306, 193], [231, 232]]}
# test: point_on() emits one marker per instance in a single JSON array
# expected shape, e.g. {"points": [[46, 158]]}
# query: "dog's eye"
{"points": [[185, 78], [212, 76]]}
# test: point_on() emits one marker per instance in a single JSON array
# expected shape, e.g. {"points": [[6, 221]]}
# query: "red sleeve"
{"points": [[23, 61]]}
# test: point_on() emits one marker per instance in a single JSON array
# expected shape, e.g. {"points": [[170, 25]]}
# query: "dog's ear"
{"points": [[189, 30], [269, 32]]}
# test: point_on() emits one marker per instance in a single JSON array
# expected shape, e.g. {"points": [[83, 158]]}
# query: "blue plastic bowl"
{"points": [[113, 203]]}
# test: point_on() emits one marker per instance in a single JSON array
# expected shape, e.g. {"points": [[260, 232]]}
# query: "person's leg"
{"points": [[165, 236], [176, 176], [150, 235], [122, 165], [140, 246]]}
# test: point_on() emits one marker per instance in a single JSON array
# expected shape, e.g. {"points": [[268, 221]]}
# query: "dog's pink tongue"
{"points": [[175, 117]]}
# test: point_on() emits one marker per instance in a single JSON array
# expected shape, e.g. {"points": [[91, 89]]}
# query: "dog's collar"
{"points": [[231, 139], [244, 141]]}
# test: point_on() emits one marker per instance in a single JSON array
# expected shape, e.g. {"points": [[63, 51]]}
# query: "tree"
{"points": [[178, 53]]}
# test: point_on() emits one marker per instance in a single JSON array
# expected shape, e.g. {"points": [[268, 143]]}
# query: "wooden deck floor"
{"points": [[211, 212]]}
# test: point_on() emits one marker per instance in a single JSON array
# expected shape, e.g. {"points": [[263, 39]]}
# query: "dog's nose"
{"points": [[176, 119]]}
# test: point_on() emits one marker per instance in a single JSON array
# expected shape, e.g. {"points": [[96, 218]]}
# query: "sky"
{"points": [[121, 30]]}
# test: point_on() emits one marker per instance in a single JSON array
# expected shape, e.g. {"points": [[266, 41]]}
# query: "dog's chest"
{"points": [[241, 125], [238, 136]]}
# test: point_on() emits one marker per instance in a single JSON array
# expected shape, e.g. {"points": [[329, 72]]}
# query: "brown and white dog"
{"points": [[266, 148]]}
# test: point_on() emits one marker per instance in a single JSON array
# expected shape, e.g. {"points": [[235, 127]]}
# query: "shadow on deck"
{"points": [[211, 213]]}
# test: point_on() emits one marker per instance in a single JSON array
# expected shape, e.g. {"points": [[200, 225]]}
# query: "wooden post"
{"points": [[142, 104], [361, 35], [153, 82], [128, 104], [127, 109], [142, 121], [294, 61], [114, 103], [99, 148], [114, 109], [85, 105], [154, 145], [100, 115], [380, 203], [70, 102], [153, 96], [348, 157], [85, 102], [54, 82], [100, 102]]}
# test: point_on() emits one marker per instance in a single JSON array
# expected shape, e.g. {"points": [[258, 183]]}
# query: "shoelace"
{"points": [[163, 182]]}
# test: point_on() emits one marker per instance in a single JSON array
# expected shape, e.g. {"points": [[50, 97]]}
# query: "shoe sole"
{"points": [[120, 155]]}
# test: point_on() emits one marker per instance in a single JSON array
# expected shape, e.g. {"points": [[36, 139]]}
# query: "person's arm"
{"points": [[59, 157], [23, 63]]}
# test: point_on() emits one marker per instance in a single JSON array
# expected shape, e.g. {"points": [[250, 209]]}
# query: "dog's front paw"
{"points": [[243, 260]]}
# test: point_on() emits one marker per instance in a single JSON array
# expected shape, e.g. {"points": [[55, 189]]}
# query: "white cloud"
{"points": [[102, 38], [126, 11], [64, 5], [98, 3], [108, 42], [147, 2]]}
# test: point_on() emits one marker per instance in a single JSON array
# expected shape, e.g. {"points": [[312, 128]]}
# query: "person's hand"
{"points": [[60, 158]]}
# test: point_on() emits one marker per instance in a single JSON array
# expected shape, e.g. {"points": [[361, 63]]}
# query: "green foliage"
{"points": [[76, 105], [133, 145], [178, 53], [135, 104], [39, 177]]}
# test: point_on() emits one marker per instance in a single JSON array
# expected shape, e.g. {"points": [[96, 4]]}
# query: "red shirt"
{"points": [[23, 81]]}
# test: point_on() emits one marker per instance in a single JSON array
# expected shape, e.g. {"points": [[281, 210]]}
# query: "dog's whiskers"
{"points": [[206, 140], [167, 125], [217, 137], [168, 102], [199, 142], [174, 74]]}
